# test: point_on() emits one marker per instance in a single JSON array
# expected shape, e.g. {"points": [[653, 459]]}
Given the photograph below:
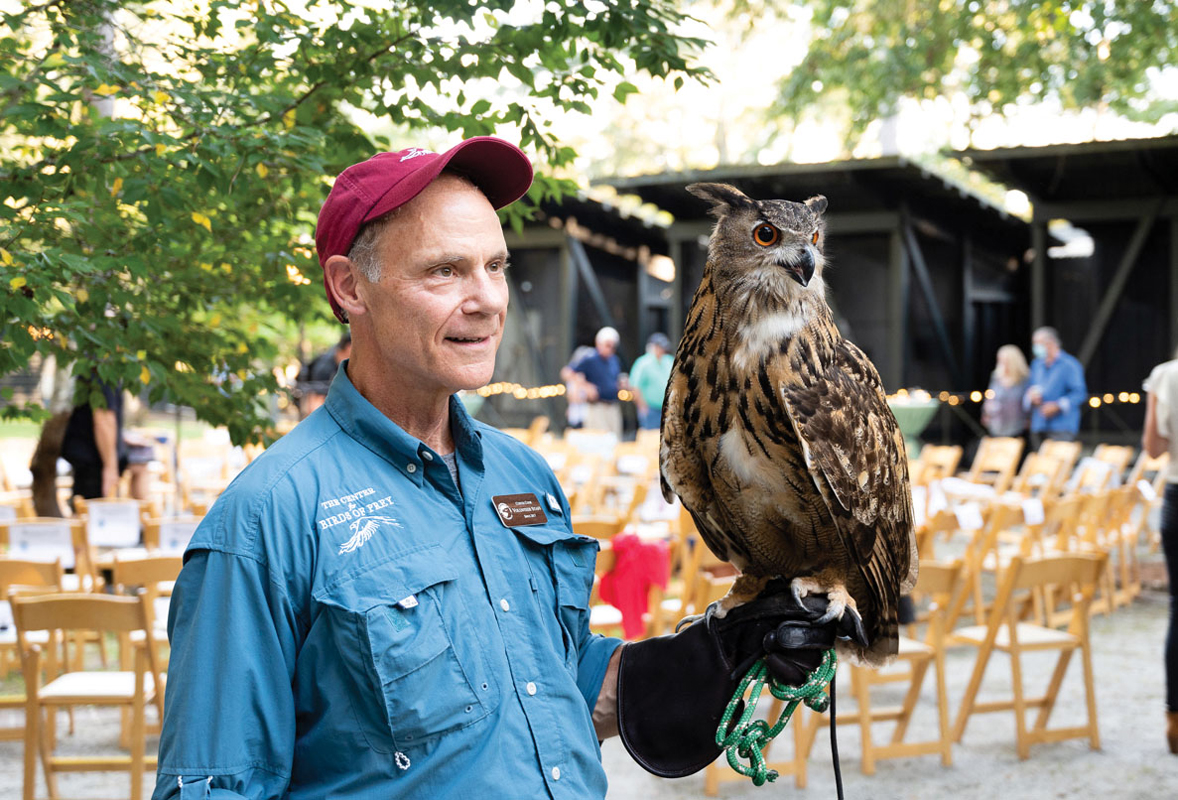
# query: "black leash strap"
{"points": [[834, 745]]}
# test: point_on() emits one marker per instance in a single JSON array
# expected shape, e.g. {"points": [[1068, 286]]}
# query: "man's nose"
{"points": [[487, 294]]}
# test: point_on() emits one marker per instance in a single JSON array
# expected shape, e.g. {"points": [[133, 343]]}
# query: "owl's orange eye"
{"points": [[766, 235], [814, 238]]}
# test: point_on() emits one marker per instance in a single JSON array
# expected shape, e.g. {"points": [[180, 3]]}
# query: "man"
{"points": [[93, 443], [390, 601], [315, 378], [603, 369], [649, 377], [1057, 390]]}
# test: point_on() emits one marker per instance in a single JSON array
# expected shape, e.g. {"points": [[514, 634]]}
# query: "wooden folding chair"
{"points": [[598, 527], [1149, 475], [1116, 456], [15, 575], [1068, 453], [996, 462], [75, 686], [1005, 632], [1040, 476], [710, 588], [56, 538], [938, 581], [154, 577], [936, 462]]}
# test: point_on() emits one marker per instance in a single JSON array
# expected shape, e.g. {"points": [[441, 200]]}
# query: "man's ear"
{"points": [[343, 282]]}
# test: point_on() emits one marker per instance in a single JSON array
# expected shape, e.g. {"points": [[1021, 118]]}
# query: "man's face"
{"points": [[438, 310], [1048, 345], [607, 347]]}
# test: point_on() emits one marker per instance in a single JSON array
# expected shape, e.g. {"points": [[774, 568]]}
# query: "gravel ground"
{"points": [[1132, 763]]}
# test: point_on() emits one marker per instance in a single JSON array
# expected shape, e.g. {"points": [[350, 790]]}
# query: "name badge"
{"points": [[516, 510]]}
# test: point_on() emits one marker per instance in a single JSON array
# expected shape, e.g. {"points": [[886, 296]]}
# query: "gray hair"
{"points": [[607, 334], [364, 252], [1048, 331]]}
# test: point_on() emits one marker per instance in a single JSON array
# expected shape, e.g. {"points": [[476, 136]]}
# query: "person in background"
{"points": [[1057, 391], [1160, 436], [93, 443], [1003, 413], [603, 369], [315, 378], [579, 392], [649, 377]]}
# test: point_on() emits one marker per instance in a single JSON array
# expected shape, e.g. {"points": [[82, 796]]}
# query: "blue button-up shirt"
{"points": [[348, 624], [1062, 381]]}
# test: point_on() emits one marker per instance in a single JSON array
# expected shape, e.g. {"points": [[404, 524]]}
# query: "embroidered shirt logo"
{"points": [[362, 520], [414, 152], [362, 528]]}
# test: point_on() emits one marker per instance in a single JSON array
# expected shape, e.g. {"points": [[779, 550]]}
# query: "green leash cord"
{"points": [[749, 737]]}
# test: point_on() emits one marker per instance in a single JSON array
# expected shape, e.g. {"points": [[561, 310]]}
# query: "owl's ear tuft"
{"points": [[724, 198], [817, 203]]}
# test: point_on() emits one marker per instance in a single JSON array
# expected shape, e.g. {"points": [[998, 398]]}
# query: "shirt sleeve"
{"points": [[229, 721], [1076, 393], [1159, 385]]}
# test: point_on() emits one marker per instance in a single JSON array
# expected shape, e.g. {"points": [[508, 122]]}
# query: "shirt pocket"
{"points": [[570, 561], [418, 640]]}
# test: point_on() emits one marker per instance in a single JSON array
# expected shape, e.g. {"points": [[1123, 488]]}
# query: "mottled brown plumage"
{"points": [[776, 434]]}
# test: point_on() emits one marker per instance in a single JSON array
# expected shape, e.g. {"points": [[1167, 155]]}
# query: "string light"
{"points": [[905, 397], [901, 397]]}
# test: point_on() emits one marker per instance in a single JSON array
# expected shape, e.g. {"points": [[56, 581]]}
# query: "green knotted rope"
{"points": [[749, 737]]}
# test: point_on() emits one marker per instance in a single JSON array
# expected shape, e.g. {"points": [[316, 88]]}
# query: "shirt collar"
{"points": [[367, 425]]}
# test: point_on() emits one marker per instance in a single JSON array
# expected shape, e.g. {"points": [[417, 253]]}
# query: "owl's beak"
{"points": [[800, 269]]}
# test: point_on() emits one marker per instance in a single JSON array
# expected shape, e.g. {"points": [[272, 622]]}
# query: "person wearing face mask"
{"points": [[1057, 390]]}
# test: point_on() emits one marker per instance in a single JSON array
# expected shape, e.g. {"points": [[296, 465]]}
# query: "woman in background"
{"points": [[1003, 413], [1161, 420]]}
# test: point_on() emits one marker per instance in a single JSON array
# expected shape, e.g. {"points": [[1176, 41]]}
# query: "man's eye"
{"points": [[497, 266], [444, 272]]}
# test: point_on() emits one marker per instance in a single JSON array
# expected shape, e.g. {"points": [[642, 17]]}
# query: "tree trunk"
{"points": [[44, 465]]}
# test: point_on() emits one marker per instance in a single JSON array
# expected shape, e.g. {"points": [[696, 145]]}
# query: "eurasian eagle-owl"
{"points": [[776, 434]]}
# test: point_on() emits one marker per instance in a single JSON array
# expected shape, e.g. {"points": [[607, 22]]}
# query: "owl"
{"points": [[776, 434]]}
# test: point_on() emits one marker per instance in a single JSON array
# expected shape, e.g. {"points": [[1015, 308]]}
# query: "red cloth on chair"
{"points": [[626, 587]]}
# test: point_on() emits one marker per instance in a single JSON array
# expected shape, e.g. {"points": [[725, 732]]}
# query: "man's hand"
{"points": [[110, 480], [1049, 409], [672, 690]]}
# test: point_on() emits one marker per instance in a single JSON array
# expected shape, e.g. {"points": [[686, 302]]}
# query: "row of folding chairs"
{"points": [[62, 640]]}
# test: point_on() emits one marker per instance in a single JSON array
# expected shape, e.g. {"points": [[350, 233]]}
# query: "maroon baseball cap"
{"points": [[386, 181]]}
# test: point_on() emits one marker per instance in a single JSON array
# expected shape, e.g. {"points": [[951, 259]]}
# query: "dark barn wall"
{"points": [[856, 277], [618, 278]]}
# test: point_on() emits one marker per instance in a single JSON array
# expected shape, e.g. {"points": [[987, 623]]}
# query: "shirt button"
{"points": [[427, 455], [556, 773], [411, 468], [503, 604], [531, 688]]}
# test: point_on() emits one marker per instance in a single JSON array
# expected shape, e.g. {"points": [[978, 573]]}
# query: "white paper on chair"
{"points": [[175, 534], [632, 464], [969, 516], [919, 504], [1033, 511], [6, 621], [1147, 491], [7, 513], [42, 541], [113, 524]]}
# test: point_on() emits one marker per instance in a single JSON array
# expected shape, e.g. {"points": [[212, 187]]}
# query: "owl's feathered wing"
{"points": [[858, 462]]}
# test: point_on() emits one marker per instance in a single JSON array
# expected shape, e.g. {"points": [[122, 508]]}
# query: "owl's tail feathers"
{"points": [[877, 652]]}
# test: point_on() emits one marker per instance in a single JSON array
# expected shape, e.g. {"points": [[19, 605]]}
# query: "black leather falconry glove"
{"points": [[672, 690]]}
